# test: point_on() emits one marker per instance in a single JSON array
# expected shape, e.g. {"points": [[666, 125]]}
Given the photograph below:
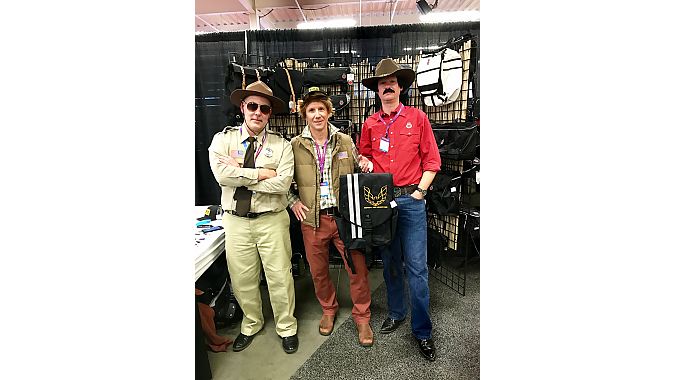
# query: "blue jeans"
{"points": [[411, 241]]}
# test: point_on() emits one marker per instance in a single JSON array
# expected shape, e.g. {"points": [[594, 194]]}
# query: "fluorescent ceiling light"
{"points": [[458, 16], [332, 23]]}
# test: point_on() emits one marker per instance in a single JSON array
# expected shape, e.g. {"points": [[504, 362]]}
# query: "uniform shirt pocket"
{"points": [[409, 139]]}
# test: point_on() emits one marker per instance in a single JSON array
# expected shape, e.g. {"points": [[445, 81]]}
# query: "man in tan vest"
{"points": [[322, 154], [254, 167]]}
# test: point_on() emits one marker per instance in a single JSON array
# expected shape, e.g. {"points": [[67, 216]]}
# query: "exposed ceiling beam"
{"points": [[274, 4], [250, 6], [205, 7], [368, 20], [213, 27]]}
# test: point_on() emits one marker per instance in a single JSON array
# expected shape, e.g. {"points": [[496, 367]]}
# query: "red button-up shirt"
{"points": [[412, 149]]}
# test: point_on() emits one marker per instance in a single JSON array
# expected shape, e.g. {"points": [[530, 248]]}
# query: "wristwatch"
{"points": [[423, 192]]}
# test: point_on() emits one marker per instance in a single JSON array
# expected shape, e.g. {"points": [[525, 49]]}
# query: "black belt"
{"points": [[399, 191], [250, 215], [329, 211]]}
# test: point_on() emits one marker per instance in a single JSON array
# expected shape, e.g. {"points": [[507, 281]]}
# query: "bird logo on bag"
{"points": [[377, 200]]}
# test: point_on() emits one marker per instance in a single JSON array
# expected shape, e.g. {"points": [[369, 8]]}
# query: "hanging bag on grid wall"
{"points": [[368, 213], [339, 101], [243, 76], [456, 141], [316, 76], [443, 195], [239, 77], [344, 125], [439, 76], [287, 84], [437, 243]]}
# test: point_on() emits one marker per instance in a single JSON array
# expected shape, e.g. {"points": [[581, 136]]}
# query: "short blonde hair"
{"points": [[325, 101]]}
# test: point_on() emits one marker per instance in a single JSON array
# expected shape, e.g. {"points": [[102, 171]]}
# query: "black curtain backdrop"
{"points": [[372, 42], [211, 58], [213, 52]]}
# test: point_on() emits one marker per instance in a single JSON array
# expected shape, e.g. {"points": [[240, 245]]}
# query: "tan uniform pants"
{"points": [[248, 243]]}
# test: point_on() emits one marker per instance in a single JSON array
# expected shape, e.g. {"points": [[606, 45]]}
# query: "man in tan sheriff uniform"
{"points": [[254, 167]]}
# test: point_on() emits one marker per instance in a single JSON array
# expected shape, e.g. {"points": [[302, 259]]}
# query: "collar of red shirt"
{"points": [[391, 115]]}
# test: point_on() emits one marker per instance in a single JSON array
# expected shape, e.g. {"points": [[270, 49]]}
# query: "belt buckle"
{"points": [[397, 192]]}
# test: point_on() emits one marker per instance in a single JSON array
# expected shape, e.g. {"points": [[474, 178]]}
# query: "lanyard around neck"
{"points": [[321, 157], [387, 125]]}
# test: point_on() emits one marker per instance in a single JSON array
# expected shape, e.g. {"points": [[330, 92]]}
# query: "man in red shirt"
{"points": [[399, 140]]}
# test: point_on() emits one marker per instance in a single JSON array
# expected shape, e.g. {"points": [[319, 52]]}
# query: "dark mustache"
{"points": [[385, 91]]}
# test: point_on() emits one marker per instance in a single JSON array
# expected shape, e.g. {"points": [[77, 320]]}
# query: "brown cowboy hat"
{"points": [[387, 67], [261, 89]]}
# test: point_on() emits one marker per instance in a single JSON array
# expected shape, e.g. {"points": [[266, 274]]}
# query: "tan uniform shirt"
{"points": [[276, 154]]}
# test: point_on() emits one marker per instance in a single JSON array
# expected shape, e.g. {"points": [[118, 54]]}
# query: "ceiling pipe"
{"points": [[301, 11], [359, 12], [393, 11]]}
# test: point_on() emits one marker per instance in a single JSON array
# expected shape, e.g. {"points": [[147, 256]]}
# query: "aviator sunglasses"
{"points": [[252, 106]]}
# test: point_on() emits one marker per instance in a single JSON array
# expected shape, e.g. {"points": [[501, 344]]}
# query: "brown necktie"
{"points": [[242, 194]]}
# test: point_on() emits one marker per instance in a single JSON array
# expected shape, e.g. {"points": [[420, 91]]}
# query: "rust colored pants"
{"points": [[316, 243], [215, 342]]}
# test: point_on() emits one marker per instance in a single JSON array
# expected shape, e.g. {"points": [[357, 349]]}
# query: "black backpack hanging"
{"points": [[437, 243], [340, 101], [343, 125], [328, 71], [239, 76], [456, 141], [368, 215], [287, 84], [443, 195]]}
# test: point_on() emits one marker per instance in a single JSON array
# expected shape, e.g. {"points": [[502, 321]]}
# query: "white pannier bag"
{"points": [[439, 76]]}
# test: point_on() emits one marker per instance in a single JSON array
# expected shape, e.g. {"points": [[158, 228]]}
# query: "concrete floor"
{"points": [[264, 358]]}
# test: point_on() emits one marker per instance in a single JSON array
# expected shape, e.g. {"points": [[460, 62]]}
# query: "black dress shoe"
{"points": [[426, 347], [242, 341], [290, 344], [390, 325]]}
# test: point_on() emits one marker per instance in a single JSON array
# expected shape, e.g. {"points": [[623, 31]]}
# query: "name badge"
{"points": [[324, 190], [384, 144]]}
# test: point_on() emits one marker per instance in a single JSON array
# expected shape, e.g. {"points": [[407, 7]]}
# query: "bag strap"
{"points": [[292, 109], [243, 79]]}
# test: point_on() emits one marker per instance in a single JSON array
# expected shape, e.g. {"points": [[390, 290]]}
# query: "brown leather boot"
{"points": [[326, 324], [365, 334]]}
